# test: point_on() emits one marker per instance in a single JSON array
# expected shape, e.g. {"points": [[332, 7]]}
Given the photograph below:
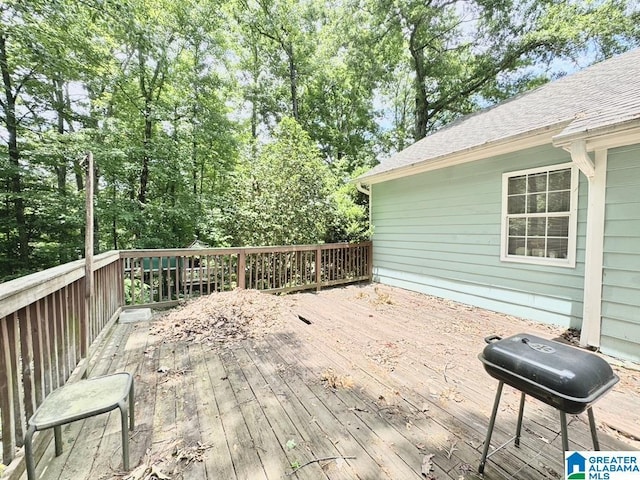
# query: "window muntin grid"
{"points": [[539, 212]]}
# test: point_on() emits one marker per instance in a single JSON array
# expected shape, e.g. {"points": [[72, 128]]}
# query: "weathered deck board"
{"points": [[311, 436], [244, 455], [443, 393], [417, 389], [218, 459]]}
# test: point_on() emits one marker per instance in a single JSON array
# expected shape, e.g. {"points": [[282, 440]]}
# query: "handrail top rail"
{"points": [[170, 252], [20, 292]]}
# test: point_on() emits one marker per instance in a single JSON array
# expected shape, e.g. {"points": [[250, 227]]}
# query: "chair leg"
{"points": [[492, 422], [132, 422], [520, 414], [57, 434], [28, 453], [594, 431], [124, 419]]}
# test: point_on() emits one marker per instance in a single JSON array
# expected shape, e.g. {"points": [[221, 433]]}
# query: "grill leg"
{"points": [[520, 413], [592, 427], [563, 429], [492, 421]]}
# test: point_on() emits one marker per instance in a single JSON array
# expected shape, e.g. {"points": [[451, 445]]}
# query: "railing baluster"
{"points": [[7, 404], [60, 334], [38, 360], [13, 331], [27, 360]]}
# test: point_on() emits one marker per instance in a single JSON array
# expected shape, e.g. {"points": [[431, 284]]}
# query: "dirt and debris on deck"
{"points": [[222, 319], [360, 382]]}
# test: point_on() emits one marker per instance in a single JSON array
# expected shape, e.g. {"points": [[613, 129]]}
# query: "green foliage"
{"points": [[187, 107], [291, 444], [136, 292], [351, 218]]}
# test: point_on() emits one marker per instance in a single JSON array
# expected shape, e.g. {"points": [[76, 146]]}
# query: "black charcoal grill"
{"points": [[566, 378]]}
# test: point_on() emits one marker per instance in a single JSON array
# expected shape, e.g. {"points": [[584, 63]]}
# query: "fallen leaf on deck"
{"points": [[193, 453], [335, 381], [427, 464], [146, 472], [291, 444]]}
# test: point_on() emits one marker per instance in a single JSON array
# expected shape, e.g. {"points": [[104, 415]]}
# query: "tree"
{"points": [[283, 197], [182, 102], [41, 52], [338, 106], [464, 55]]}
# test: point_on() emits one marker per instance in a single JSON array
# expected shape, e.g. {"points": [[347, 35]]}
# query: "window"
{"points": [[539, 215]]}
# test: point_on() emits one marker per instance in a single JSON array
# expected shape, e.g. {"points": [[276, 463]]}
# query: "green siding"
{"points": [[621, 276], [439, 233]]}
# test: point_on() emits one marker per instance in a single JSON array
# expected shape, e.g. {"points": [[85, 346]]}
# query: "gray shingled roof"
{"points": [[605, 94]]}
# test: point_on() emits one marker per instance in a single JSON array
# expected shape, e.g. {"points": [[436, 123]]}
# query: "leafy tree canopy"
{"points": [[241, 122]]}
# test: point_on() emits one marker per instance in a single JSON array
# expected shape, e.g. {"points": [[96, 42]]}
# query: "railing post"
{"points": [[88, 257], [318, 266], [242, 263]]}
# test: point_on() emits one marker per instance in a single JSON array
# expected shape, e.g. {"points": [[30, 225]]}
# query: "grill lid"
{"points": [[530, 362]]}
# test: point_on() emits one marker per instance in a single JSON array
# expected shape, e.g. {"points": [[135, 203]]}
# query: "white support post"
{"points": [[594, 256]]}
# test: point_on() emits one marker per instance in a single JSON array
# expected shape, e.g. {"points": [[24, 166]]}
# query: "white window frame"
{"points": [[570, 261]]}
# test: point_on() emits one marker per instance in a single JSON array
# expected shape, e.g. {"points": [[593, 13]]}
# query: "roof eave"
{"points": [[532, 138], [605, 137]]}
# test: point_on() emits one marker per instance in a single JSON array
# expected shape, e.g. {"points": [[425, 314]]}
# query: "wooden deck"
{"points": [[407, 387]]}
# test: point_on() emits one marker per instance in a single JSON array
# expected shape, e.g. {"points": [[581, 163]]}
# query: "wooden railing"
{"points": [[51, 321], [170, 275], [48, 324]]}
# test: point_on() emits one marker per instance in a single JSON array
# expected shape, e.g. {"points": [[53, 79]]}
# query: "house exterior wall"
{"points": [[620, 329], [439, 233]]}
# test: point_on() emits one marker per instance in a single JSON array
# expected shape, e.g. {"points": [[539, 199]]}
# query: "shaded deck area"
{"points": [[361, 382]]}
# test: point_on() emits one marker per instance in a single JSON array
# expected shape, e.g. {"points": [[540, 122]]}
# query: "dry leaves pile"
{"points": [[168, 465], [222, 318]]}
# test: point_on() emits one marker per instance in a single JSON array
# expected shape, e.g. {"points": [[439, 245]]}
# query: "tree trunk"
{"points": [[293, 80], [114, 222], [59, 103], [15, 177], [254, 95], [422, 102], [146, 143]]}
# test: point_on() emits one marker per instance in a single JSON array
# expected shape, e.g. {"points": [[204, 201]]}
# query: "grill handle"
{"points": [[492, 338]]}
